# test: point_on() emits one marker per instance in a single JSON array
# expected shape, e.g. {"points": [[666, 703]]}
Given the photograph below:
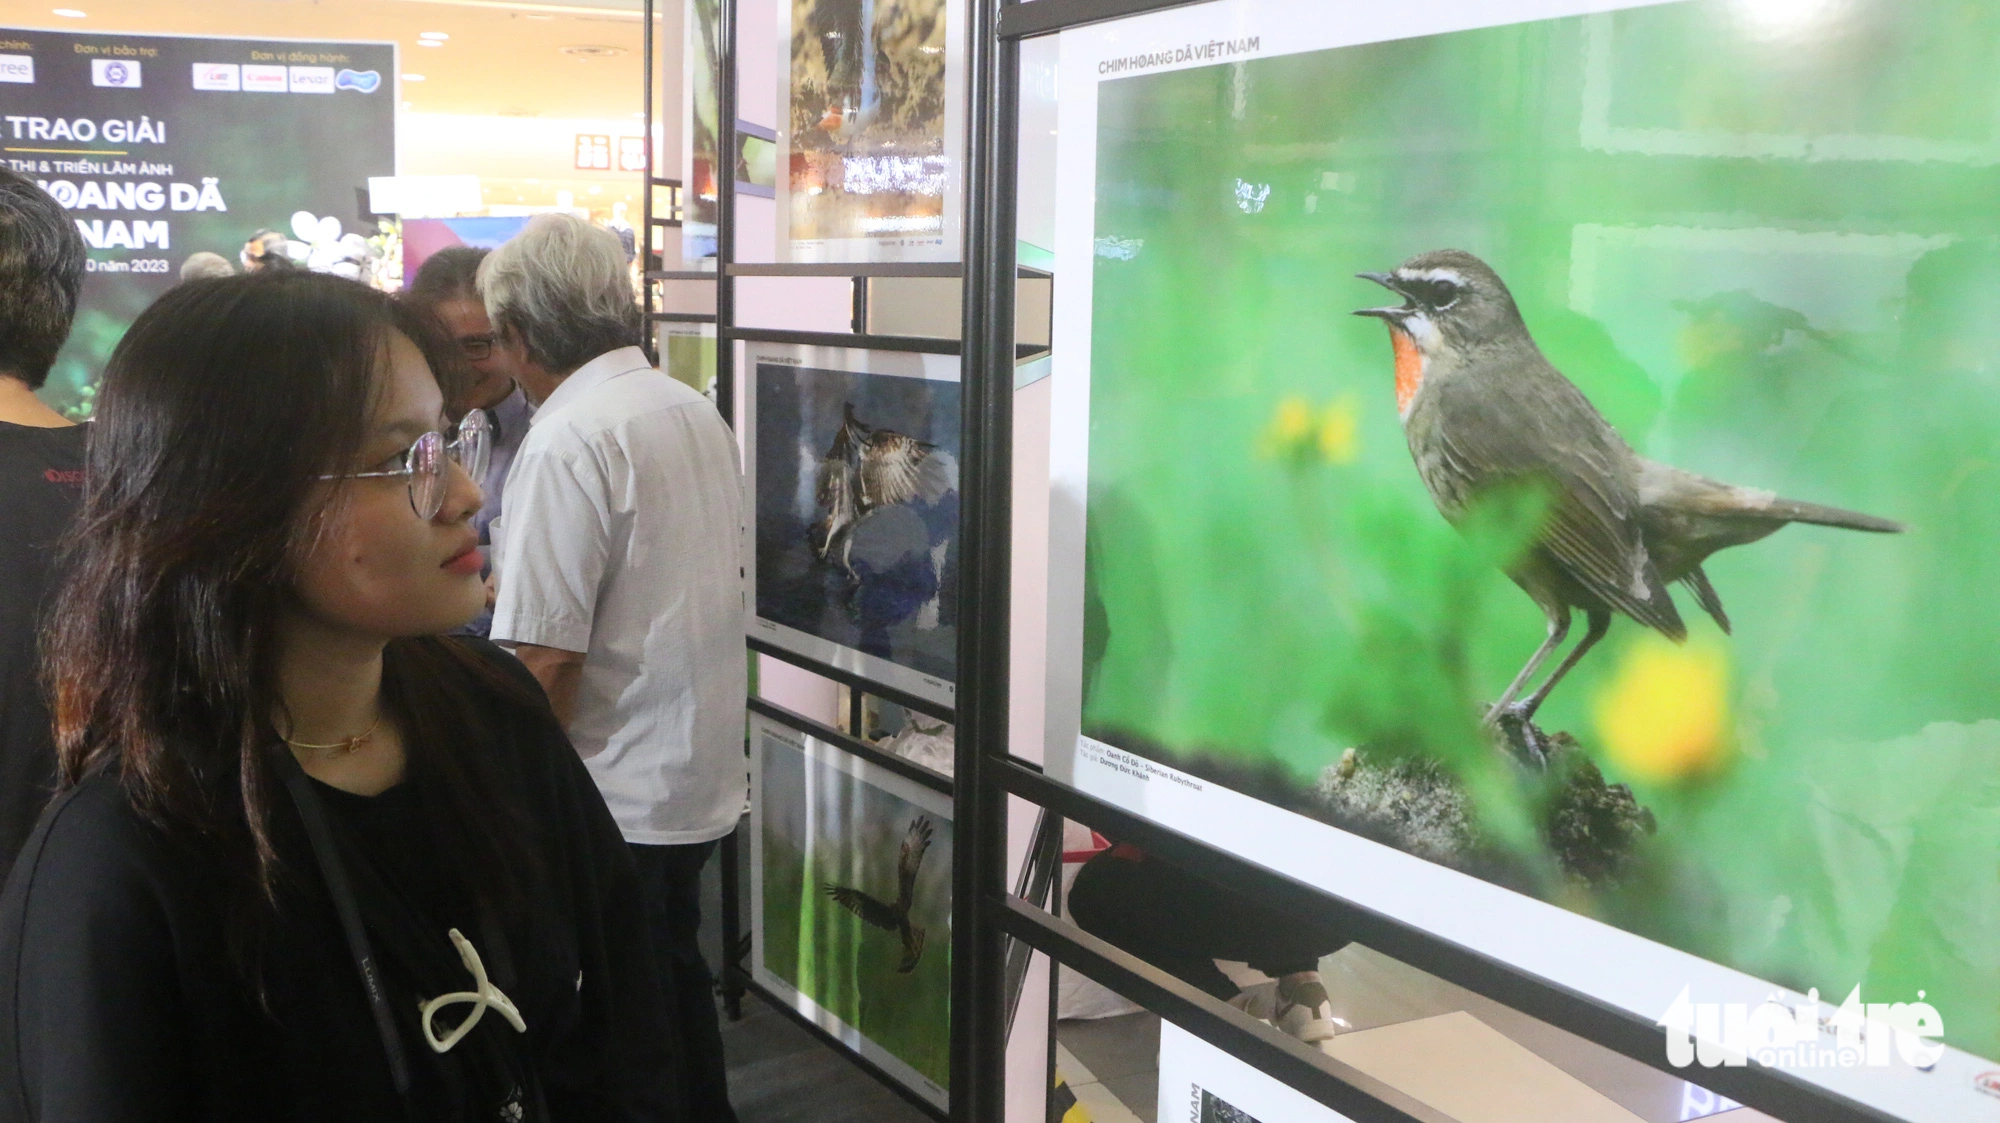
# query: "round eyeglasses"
{"points": [[424, 463]]}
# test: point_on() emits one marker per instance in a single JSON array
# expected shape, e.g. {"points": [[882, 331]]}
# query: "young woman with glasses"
{"points": [[309, 861]]}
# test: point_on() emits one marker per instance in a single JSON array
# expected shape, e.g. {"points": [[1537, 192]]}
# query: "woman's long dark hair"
{"points": [[220, 407]]}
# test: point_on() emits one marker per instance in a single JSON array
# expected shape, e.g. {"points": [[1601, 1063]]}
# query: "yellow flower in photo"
{"points": [[1664, 717], [1339, 439], [1304, 434], [1293, 424]]}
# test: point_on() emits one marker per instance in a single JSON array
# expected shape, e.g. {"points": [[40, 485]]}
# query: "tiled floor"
{"points": [[779, 1073], [1118, 1058]]}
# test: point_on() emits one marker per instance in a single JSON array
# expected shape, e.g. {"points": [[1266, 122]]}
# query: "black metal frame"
{"points": [[852, 746], [734, 977], [1045, 17], [880, 1075], [648, 222], [987, 773], [888, 762], [979, 858], [986, 972], [845, 269], [1347, 1090], [918, 343], [849, 678]]}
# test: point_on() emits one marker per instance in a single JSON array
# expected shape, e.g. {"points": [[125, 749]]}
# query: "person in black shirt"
{"points": [[41, 476], [1183, 923], [311, 860]]}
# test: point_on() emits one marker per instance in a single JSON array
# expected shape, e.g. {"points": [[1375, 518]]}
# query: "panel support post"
{"points": [[725, 208], [978, 981]]}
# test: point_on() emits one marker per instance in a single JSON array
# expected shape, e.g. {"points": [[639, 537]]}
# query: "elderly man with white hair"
{"points": [[621, 585]]}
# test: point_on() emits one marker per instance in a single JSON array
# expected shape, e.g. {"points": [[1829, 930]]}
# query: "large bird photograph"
{"points": [[1571, 475], [857, 511], [867, 114], [855, 906]]}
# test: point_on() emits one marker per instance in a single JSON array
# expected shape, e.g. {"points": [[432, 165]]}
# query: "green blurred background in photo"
{"points": [[1769, 253], [823, 826]]}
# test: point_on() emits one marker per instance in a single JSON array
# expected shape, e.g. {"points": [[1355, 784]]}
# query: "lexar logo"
{"points": [[363, 81]]}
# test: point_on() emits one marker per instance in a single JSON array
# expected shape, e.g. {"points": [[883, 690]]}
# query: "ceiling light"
{"points": [[1784, 18], [71, 13], [591, 50], [429, 43], [413, 77], [437, 35]]}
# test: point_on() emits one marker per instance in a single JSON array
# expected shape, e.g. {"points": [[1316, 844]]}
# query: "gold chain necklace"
{"points": [[347, 746]]}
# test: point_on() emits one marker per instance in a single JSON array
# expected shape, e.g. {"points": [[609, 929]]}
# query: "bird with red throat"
{"points": [[1482, 407]]}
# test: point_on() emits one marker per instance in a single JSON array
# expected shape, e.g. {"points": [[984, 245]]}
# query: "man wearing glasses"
{"points": [[446, 288]]}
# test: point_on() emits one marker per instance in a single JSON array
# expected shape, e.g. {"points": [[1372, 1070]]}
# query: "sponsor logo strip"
{"points": [[267, 79], [312, 79], [218, 76], [117, 73]]}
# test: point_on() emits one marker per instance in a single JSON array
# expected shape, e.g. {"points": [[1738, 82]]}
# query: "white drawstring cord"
{"points": [[487, 996]]}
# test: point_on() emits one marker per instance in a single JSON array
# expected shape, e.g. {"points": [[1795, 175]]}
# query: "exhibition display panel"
{"points": [[872, 94], [1636, 315], [852, 459], [1433, 393], [851, 900], [701, 64]]}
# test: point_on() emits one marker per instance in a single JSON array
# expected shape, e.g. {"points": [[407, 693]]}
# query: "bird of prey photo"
{"points": [[1481, 407], [866, 469], [894, 917]]}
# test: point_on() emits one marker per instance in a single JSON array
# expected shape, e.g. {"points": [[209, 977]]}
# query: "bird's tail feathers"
{"points": [[1676, 489], [1793, 510], [1705, 596]]}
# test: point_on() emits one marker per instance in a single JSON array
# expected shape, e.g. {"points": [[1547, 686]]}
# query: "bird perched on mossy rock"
{"points": [[1482, 408]]}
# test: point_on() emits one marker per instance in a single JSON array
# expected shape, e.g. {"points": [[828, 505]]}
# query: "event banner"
{"points": [[162, 146], [851, 912], [852, 462], [1546, 450], [871, 155]]}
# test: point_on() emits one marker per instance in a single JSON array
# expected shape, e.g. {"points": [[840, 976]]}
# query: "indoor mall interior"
{"points": [[1000, 561]]}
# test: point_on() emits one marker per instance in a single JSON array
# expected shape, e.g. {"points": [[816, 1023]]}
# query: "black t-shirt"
{"points": [[41, 478], [119, 999]]}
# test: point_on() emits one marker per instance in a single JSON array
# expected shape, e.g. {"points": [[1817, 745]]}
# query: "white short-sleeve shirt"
{"points": [[621, 539]]}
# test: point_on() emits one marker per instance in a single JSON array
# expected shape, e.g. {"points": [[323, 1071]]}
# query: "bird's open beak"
{"points": [[1391, 314]]}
